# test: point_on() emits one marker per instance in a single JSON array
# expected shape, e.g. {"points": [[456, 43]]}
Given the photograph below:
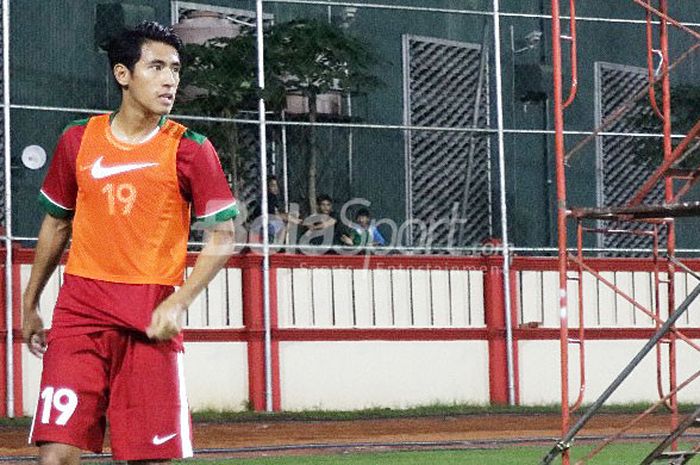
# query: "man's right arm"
{"points": [[53, 237]]}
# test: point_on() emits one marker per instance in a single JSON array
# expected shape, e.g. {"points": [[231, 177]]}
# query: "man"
{"points": [[278, 218], [323, 227], [122, 184]]}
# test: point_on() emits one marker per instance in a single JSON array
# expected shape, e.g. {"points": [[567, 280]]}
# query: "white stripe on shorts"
{"points": [[185, 437], [36, 409]]}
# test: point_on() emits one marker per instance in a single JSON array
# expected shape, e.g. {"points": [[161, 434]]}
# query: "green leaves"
{"points": [[685, 112], [219, 78], [314, 57], [306, 56]]}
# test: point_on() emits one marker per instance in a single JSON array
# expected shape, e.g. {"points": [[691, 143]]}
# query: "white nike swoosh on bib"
{"points": [[100, 172], [157, 440]]}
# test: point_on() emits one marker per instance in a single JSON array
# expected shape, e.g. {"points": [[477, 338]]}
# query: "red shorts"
{"points": [[120, 376]]}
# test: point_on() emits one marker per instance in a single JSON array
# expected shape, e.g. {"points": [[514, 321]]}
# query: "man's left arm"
{"points": [[202, 181], [166, 321]]}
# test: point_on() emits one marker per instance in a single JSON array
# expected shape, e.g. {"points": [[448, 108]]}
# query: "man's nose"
{"points": [[171, 78]]}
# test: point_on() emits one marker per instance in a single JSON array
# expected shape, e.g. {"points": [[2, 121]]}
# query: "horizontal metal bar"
{"points": [[356, 125], [473, 249], [383, 6]]}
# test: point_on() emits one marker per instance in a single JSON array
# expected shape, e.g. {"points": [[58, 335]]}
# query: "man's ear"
{"points": [[122, 74]]}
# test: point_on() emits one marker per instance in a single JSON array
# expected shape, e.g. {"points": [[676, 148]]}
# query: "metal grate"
{"points": [[249, 140], [620, 170], [440, 89]]}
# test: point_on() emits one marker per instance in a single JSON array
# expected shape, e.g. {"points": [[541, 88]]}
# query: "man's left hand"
{"points": [[166, 321]]}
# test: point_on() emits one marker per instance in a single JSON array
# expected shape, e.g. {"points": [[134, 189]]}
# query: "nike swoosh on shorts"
{"points": [[158, 440], [99, 171]]}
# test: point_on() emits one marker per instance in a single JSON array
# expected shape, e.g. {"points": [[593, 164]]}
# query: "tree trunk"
{"points": [[313, 155], [232, 149], [235, 162]]}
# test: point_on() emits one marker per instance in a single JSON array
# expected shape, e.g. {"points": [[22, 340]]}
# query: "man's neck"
{"points": [[134, 127]]}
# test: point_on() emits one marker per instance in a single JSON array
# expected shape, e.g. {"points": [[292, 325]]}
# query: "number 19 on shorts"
{"points": [[63, 400]]}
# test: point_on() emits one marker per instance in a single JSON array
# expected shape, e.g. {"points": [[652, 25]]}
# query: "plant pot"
{"points": [[199, 26], [330, 103]]}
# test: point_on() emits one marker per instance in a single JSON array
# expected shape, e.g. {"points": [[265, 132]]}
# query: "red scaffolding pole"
{"points": [[636, 214]]}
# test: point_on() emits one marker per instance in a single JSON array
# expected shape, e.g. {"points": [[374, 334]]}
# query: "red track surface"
{"points": [[13, 440]]}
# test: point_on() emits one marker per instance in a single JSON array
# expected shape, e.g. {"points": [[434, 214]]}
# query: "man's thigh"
{"points": [[72, 396], [148, 412]]}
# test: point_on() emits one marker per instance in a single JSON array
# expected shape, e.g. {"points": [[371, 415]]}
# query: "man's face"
{"points": [[152, 84], [325, 207], [273, 187], [363, 220]]}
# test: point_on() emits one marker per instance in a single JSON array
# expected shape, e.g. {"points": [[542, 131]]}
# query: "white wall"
{"points": [[364, 374], [216, 374], [540, 381]]}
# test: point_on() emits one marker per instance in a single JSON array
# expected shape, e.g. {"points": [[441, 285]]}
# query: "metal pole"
{"points": [[668, 194], [407, 135], [504, 211], [285, 174], [9, 343], [351, 141], [561, 221], [265, 218]]}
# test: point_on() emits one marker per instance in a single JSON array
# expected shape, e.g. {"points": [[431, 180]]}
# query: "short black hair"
{"points": [[125, 47], [324, 198], [362, 212]]}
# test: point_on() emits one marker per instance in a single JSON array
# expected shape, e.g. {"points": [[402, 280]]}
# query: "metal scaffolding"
{"points": [[634, 218]]}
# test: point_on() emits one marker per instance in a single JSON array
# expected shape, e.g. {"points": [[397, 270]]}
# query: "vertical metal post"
{"points": [[668, 196], [581, 341], [265, 218], [561, 220], [285, 174], [9, 342], [407, 134], [351, 141], [504, 211]]}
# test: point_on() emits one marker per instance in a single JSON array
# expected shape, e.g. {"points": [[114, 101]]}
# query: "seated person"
{"points": [[277, 217], [363, 232], [323, 227]]}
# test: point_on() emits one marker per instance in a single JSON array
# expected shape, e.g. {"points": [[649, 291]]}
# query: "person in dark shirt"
{"points": [[278, 218], [323, 228]]}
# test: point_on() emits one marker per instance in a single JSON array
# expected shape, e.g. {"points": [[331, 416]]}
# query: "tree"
{"points": [[308, 57], [219, 80], [311, 58]]}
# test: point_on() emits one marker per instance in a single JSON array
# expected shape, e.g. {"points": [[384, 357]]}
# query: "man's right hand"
{"points": [[33, 332]]}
